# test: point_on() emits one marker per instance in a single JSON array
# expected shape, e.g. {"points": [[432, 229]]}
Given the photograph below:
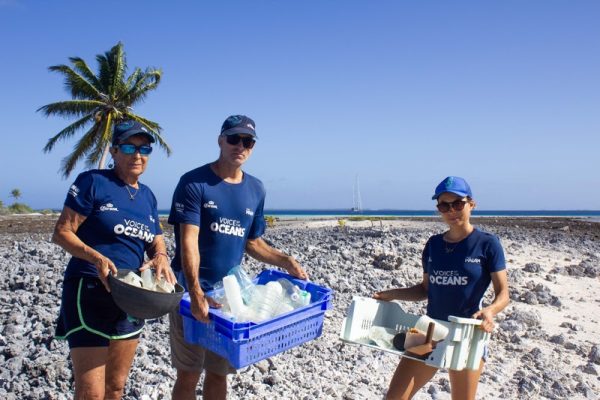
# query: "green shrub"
{"points": [[20, 208]]}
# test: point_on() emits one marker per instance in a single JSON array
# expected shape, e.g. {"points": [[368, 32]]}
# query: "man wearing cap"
{"points": [[217, 213], [109, 221]]}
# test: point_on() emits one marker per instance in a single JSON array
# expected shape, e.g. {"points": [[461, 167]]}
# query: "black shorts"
{"points": [[90, 318]]}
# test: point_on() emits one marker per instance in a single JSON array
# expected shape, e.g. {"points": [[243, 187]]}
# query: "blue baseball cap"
{"points": [[238, 124], [453, 184], [129, 128]]}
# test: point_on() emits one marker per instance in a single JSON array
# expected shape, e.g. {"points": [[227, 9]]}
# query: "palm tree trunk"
{"points": [[104, 156]]}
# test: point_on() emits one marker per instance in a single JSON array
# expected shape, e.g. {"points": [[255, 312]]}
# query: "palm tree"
{"points": [[15, 194], [100, 100]]}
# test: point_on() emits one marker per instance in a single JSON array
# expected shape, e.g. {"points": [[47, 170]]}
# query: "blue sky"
{"points": [[402, 93]]}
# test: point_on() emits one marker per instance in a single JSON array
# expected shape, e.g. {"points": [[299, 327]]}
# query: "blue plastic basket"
{"points": [[247, 342]]}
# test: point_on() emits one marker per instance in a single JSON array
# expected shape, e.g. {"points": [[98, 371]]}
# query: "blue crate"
{"points": [[247, 342]]}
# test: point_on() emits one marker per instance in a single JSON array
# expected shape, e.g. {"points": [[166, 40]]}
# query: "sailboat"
{"points": [[356, 200]]}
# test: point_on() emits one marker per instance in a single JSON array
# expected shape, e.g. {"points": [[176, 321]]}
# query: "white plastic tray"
{"points": [[461, 349]]}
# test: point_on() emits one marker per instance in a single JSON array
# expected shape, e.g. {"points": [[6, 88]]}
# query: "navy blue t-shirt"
{"points": [[116, 226], [460, 273], [227, 214]]}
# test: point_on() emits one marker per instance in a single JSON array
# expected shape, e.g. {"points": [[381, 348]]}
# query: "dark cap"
{"points": [[453, 184], [238, 124], [127, 129]]}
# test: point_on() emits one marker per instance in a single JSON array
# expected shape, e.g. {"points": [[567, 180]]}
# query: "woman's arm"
{"points": [[159, 260], [501, 300], [65, 236], [417, 292]]}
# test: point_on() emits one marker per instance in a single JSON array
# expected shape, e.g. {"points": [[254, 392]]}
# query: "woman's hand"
{"points": [[487, 319], [160, 264], [385, 295], [104, 266]]}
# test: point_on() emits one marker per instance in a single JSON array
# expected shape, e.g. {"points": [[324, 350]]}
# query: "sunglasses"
{"points": [[130, 149], [247, 141], [456, 205]]}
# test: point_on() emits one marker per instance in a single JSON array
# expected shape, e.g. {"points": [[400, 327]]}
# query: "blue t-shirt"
{"points": [[116, 226], [227, 214], [460, 273]]}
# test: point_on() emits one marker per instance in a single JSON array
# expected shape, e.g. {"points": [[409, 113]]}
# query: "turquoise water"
{"points": [[423, 213]]}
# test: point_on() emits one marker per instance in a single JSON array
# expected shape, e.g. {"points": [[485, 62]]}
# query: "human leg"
{"points": [[118, 364], [89, 371], [185, 385], [188, 359], [215, 386], [463, 383], [410, 376]]}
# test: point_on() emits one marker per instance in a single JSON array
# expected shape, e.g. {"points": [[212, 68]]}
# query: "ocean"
{"points": [[337, 213]]}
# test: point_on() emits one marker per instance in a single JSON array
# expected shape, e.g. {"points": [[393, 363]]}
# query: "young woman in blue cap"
{"points": [[109, 221], [458, 266]]}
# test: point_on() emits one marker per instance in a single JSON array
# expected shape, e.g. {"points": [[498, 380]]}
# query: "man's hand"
{"points": [[295, 269], [199, 305]]}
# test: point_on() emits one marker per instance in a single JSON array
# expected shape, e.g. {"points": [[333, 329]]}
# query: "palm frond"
{"points": [[77, 85], [83, 69], [104, 72], [70, 108], [68, 132], [147, 82], [80, 149], [119, 66]]}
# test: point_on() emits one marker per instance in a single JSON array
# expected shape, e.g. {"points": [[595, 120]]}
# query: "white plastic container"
{"points": [[234, 297], [462, 347]]}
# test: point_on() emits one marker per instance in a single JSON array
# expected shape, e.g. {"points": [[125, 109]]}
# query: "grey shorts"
{"points": [[190, 357]]}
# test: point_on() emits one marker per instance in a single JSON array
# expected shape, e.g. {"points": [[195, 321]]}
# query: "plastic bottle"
{"points": [[267, 301], [234, 297], [147, 279], [245, 282], [292, 293], [304, 297]]}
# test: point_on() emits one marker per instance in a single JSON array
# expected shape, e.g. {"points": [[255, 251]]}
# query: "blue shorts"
{"points": [[90, 318]]}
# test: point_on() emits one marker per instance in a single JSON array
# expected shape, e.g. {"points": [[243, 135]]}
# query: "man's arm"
{"points": [[190, 263], [260, 250]]}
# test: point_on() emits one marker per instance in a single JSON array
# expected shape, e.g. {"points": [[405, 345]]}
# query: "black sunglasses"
{"points": [[456, 205], [130, 149], [247, 141]]}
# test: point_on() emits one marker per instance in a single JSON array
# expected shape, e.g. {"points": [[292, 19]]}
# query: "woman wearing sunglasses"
{"points": [[109, 221], [458, 266]]}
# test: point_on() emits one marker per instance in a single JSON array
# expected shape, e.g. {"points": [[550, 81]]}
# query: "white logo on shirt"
{"points": [[73, 190], [108, 207], [179, 207], [447, 278], [152, 219], [473, 260], [134, 229], [249, 212], [228, 226], [210, 204]]}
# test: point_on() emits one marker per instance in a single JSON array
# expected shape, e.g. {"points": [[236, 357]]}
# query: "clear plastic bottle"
{"points": [[234, 297], [266, 302], [292, 293]]}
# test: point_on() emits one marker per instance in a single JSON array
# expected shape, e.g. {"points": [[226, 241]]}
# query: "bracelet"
{"points": [[160, 253]]}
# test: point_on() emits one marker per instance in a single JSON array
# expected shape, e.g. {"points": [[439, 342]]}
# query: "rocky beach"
{"points": [[546, 344]]}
